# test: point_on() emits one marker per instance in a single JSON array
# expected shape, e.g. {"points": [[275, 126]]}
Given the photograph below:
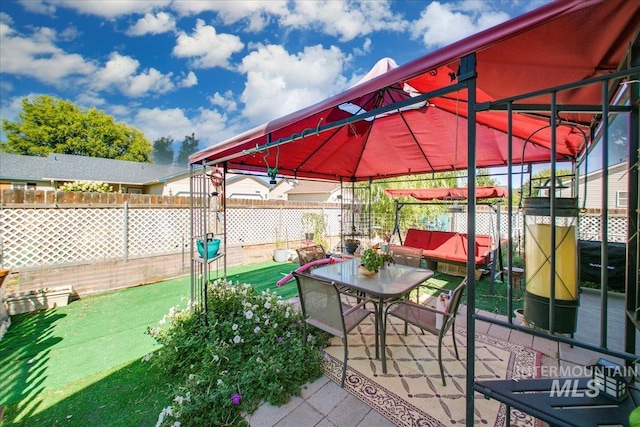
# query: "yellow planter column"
{"points": [[538, 255]]}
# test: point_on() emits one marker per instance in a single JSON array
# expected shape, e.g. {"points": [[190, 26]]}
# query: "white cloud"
{"points": [[120, 72], [441, 24], [344, 19], [209, 126], [70, 33], [207, 48], [37, 56], [159, 23], [279, 83], [38, 6], [365, 49], [189, 80], [225, 101], [257, 14], [107, 9]]}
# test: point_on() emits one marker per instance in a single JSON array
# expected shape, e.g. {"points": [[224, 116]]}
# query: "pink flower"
{"points": [[236, 399]]}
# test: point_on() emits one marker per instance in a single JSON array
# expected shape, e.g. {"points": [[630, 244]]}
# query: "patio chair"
{"points": [[406, 255], [310, 253], [323, 307], [425, 317]]}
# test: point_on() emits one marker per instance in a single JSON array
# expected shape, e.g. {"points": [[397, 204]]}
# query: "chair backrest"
{"points": [[406, 255], [310, 253], [321, 304], [456, 297]]}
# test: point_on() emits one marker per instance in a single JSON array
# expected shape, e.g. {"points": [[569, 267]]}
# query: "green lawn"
{"points": [[81, 365]]}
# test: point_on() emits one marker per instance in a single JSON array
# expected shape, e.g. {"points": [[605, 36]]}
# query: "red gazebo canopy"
{"points": [[426, 194], [559, 43]]}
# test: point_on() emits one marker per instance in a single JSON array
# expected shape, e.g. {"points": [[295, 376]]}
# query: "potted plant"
{"points": [[370, 262]]}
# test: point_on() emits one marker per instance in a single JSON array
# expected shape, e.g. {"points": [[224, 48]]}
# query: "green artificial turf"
{"points": [[266, 277], [61, 352]]}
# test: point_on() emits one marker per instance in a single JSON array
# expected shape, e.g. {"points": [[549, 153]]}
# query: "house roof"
{"points": [[232, 178], [307, 187], [67, 167]]}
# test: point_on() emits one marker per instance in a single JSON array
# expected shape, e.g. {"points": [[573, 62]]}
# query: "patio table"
{"points": [[390, 283]]}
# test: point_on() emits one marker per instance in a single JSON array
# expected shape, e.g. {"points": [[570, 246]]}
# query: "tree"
{"points": [[51, 125], [163, 151], [188, 147]]}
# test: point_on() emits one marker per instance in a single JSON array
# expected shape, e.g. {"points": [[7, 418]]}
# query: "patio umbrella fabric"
{"points": [[562, 42]]}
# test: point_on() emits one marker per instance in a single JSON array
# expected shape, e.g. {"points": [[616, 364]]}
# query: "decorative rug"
{"points": [[411, 393]]}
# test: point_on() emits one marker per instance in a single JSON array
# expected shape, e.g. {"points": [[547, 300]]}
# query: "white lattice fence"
{"points": [[158, 231], [35, 237], [247, 226], [590, 225]]}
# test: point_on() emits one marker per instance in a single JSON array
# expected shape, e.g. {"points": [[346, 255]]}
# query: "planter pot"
{"points": [[39, 300], [520, 316], [351, 245], [366, 273], [213, 246], [280, 255]]}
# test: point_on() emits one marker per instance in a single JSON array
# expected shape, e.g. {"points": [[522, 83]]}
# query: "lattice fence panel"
{"points": [[247, 226], [591, 228], [32, 237], [158, 231]]}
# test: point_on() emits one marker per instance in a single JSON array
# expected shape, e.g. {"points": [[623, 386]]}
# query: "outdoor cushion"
{"points": [[448, 245]]}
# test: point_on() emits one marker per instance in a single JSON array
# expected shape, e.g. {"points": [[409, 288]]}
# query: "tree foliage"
{"points": [[163, 151], [531, 188], [51, 125], [188, 147]]}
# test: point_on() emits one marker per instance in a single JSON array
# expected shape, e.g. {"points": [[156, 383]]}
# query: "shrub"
{"points": [[248, 349], [86, 187]]}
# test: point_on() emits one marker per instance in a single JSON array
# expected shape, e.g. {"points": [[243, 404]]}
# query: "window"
{"points": [[23, 185], [621, 199]]}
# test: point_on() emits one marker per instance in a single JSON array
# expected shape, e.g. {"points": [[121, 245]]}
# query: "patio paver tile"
{"points": [[374, 419], [310, 389], [546, 346], [499, 332], [303, 415], [328, 397], [268, 415], [350, 412], [521, 338]]}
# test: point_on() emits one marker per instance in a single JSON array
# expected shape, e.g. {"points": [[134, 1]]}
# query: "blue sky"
{"points": [[216, 68]]}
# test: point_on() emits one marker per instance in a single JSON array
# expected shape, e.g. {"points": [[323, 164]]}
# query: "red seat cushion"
{"points": [[418, 238]]}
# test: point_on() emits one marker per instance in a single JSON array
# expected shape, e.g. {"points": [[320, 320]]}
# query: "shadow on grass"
{"points": [[130, 395], [25, 353]]}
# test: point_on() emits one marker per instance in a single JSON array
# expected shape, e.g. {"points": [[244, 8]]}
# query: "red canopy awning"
{"points": [[559, 43], [426, 194]]}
